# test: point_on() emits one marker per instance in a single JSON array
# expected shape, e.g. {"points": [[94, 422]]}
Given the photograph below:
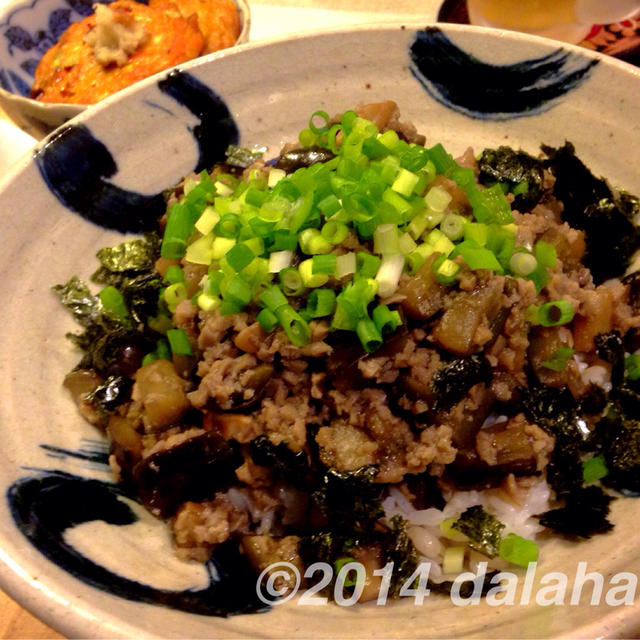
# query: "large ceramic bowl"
{"points": [[73, 548], [28, 28]]}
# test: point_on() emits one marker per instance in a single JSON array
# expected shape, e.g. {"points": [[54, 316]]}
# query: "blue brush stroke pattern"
{"points": [[77, 167], [48, 503], [96, 452], [217, 128], [487, 91]]}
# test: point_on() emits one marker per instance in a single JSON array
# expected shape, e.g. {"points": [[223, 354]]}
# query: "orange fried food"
{"points": [[218, 20], [70, 72]]}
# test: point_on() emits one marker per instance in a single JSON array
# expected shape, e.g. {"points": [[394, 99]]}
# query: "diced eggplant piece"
{"points": [[342, 366], [193, 470], [161, 391], [126, 443], [469, 471], [81, 384], [264, 551], [468, 415], [544, 342], [514, 443], [457, 330], [423, 295]]}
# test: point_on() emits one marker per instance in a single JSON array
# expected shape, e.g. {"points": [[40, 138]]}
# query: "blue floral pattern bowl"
{"points": [[75, 547], [27, 30]]}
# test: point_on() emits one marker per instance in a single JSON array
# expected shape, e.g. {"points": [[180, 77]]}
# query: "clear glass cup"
{"points": [[568, 20]]}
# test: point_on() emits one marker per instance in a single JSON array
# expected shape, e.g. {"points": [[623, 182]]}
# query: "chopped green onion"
{"points": [[207, 220], [477, 232], [346, 265], [200, 250], [489, 205], [445, 270], [389, 273], [284, 240], [173, 274], [273, 298], [237, 291], [440, 242], [113, 303], [179, 342], [405, 182], [307, 138], [594, 469], [418, 225], [414, 261], [174, 294], [267, 319], [208, 302], [437, 199], [178, 229], [442, 160], [369, 335], [163, 352], [228, 226], [374, 148], [149, 358], [389, 139], [309, 278], [220, 247], [555, 313], [406, 244], [367, 264], [632, 366], [386, 320], [321, 303], [414, 158], [559, 359], [453, 559], [275, 175], [280, 260], [324, 263], [545, 254], [291, 281], [311, 242], [452, 226], [523, 264], [385, 239], [239, 256], [478, 257], [294, 325], [322, 115], [229, 308], [334, 232], [518, 550], [448, 530]]}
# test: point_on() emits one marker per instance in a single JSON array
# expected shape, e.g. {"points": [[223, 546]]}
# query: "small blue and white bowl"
{"points": [[28, 28]]}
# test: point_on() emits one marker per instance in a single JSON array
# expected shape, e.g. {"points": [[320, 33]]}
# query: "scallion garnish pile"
{"points": [[276, 239]]}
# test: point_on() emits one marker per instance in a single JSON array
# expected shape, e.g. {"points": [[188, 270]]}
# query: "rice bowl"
{"points": [[280, 130]]}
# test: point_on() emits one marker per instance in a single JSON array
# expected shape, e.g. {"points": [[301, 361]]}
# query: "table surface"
{"points": [[271, 17]]}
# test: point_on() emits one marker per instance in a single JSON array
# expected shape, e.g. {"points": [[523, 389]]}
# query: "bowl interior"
{"points": [[155, 133]]}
